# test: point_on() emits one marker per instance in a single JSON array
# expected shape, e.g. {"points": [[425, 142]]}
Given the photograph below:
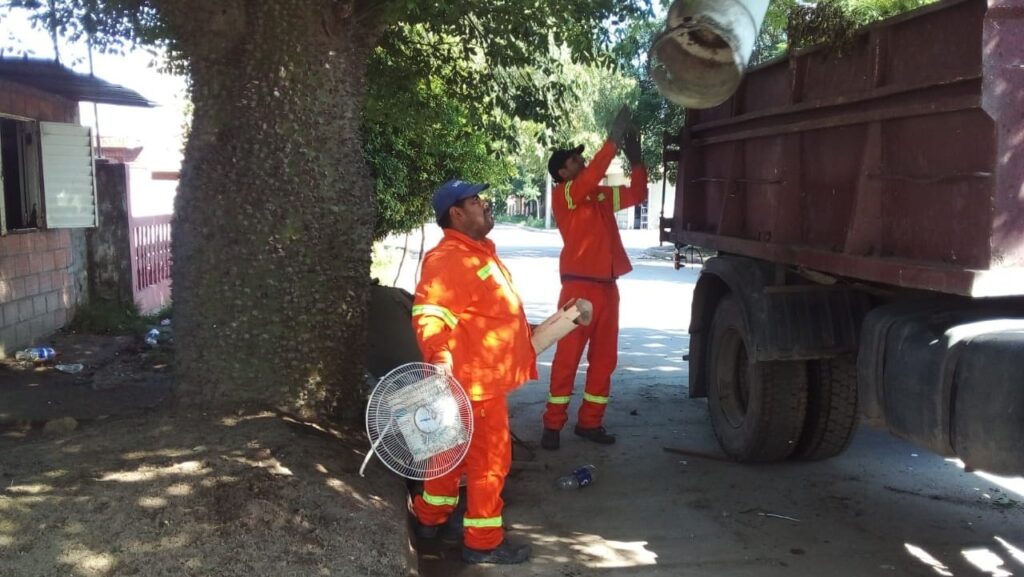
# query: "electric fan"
{"points": [[419, 421]]}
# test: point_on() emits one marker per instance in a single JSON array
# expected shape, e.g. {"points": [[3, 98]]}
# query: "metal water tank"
{"points": [[700, 58]]}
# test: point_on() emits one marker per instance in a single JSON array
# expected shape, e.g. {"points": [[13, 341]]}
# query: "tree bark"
{"points": [[274, 215]]}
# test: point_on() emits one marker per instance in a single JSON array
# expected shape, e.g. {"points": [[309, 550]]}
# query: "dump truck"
{"points": [[865, 207]]}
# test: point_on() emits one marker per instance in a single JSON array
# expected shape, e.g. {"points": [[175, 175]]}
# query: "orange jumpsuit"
{"points": [[467, 314], [592, 258]]}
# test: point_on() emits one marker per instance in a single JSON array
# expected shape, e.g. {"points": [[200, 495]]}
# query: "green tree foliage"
{"points": [[426, 119], [595, 93], [791, 24], [447, 97], [653, 114]]}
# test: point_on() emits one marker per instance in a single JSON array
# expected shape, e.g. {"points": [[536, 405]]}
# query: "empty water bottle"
{"points": [[579, 478], [36, 354]]}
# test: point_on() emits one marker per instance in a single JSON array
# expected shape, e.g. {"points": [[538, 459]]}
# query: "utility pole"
{"points": [[547, 201], [90, 31], [95, 109]]}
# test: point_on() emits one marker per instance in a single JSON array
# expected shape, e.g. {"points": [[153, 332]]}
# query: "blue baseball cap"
{"points": [[453, 191]]}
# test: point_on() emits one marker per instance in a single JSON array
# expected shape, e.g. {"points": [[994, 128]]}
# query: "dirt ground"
{"points": [[99, 478]]}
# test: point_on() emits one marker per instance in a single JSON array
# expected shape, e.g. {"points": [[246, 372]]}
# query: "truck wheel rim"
{"points": [[733, 378]]}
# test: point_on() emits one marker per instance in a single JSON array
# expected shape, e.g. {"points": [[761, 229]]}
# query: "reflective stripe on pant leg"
{"points": [[568, 352], [602, 357], [436, 504], [440, 501], [487, 465], [486, 522]]}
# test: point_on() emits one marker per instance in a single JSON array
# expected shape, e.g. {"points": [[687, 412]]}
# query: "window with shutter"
{"points": [[69, 185]]}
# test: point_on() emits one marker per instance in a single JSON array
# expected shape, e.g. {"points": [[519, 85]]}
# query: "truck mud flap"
{"points": [[788, 322], [800, 322], [922, 369]]}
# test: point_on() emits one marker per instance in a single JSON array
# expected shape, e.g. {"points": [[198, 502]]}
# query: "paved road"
{"points": [[884, 507]]}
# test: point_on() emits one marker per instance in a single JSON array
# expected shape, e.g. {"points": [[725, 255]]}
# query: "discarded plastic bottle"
{"points": [[579, 478], [71, 369], [36, 354], [153, 337]]}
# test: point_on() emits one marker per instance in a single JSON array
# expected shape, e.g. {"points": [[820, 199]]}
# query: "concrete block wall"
{"points": [[42, 282]]}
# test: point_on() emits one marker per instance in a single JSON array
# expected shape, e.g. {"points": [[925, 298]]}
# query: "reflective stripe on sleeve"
{"points": [[568, 197], [595, 399], [558, 400], [616, 200], [486, 271], [439, 501], [482, 522], [436, 311]]}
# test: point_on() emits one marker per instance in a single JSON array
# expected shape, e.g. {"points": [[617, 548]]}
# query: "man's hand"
{"points": [[444, 367], [631, 146]]}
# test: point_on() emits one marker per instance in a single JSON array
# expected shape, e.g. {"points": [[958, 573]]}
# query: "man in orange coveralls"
{"points": [[469, 319], [592, 258]]}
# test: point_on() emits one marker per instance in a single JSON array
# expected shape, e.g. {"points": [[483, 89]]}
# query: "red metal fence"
{"points": [[151, 261]]}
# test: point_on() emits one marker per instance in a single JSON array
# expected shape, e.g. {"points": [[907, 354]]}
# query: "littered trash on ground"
{"points": [[70, 369]]}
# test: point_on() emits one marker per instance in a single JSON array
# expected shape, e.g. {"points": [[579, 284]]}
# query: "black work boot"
{"points": [[597, 435], [504, 554], [550, 439], [450, 531]]}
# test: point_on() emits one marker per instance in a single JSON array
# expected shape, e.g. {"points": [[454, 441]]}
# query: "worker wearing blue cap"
{"points": [[469, 320]]}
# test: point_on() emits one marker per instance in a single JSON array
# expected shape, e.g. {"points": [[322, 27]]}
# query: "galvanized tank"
{"points": [[700, 58]]}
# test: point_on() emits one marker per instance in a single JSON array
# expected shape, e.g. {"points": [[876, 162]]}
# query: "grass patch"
{"points": [[104, 317], [530, 221]]}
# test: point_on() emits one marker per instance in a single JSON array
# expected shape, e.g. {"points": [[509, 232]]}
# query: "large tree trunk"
{"points": [[274, 216]]}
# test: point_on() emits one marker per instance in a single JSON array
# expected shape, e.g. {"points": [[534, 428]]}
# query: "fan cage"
{"points": [[387, 414]]}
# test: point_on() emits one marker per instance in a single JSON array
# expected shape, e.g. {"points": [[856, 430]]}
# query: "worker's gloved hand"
{"points": [[620, 127], [631, 146]]}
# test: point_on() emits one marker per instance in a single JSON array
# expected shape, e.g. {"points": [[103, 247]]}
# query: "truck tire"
{"points": [[757, 408], [831, 408]]}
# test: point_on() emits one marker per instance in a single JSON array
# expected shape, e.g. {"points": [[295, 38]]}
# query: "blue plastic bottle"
{"points": [[36, 354], [582, 477]]}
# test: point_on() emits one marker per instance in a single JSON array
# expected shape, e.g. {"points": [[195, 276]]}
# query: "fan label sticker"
{"points": [[428, 418]]}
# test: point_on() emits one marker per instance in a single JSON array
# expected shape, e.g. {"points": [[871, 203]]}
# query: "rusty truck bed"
{"points": [[900, 162]]}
